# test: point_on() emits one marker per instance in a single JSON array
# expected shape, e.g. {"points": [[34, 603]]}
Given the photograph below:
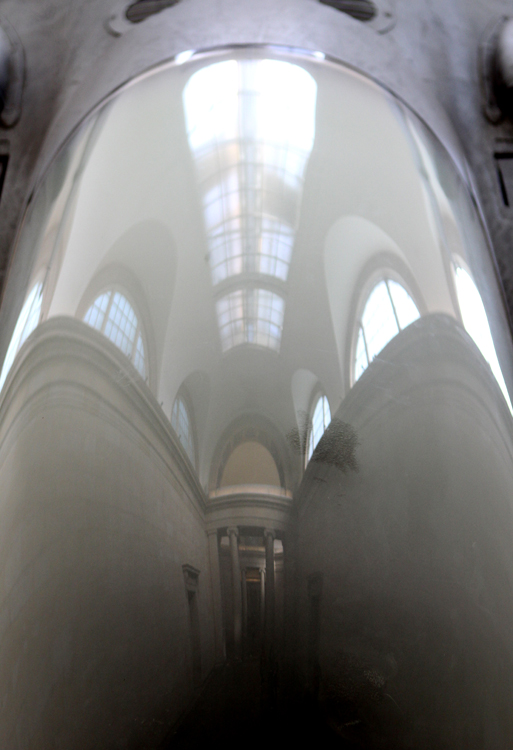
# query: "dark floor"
{"points": [[232, 708]]}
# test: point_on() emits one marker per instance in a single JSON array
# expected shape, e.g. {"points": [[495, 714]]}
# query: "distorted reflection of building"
{"points": [[387, 311], [113, 315], [182, 424], [27, 321], [246, 392], [476, 324], [321, 418], [402, 589], [251, 128], [250, 316]]}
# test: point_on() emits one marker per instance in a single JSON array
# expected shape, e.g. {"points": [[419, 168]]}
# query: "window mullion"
{"points": [[136, 339], [393, 306], [107, 311], [362, 329]]}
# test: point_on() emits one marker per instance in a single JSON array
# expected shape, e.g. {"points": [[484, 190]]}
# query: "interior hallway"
{"points": [[231, 708]]}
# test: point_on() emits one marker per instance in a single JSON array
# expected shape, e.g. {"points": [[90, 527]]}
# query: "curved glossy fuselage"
{"points": [[255, 426]]}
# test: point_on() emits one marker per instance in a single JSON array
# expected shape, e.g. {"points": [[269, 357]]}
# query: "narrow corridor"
{"points": [[231, 709]]}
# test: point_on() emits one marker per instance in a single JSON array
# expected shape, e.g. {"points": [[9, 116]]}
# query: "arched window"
{"points": [[27, 321], [181, 423], [113, 315], [250, 316], [476, 324], [320, 420], [389, 309]]}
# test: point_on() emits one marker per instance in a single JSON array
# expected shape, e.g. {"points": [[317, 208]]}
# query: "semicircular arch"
{"points": [[251, 429]]}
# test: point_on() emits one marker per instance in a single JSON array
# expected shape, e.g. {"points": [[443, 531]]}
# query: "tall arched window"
{"points": [[113, 315], [182, 425], [476, 324], [320, 420], [27, 321], [389, 309]]}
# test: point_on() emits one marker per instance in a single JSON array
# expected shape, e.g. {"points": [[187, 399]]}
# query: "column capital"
{"points": [[232, 530], [211, 532], [270, 532]]}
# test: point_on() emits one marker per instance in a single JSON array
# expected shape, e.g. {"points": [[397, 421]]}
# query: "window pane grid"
{"points": [[96, 313], [181, 424], [405, 307], [320, 421], [378, 320], [250, 316], [251, 147], [388, 310], [266, 250], [361, 359], [113, 315], [121, 324]]}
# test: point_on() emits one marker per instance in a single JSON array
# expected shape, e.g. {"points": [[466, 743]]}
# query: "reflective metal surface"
{"points": [[255, 428]]}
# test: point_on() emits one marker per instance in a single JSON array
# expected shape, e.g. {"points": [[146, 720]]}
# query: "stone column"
{"points": [[269, 663], [217, 607], [244, 592], [262, 602], [289, 643], [233, 533], [269, 535]]}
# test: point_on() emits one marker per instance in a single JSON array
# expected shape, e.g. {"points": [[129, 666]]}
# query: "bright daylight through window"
{"points": [[181, 424], [27, 321], [251, 128], [387, 311], [113, 315], [250, 316], [320, 420], [476, 324]]}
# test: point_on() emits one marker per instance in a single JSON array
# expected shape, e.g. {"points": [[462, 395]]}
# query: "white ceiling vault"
{"points": [[74, 58], [181, 206]]}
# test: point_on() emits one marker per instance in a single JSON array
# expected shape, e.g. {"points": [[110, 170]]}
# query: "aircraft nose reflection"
{"points": [[255, 427]]}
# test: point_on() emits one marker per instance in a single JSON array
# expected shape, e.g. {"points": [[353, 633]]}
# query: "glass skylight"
{"points": [[388, 310], [27, 322], [320, 421], [476, 324], [251, 128], [250, 316], [181, 424], [113, 315]]}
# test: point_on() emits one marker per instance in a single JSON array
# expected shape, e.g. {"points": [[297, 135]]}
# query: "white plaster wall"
{"points": [[96, 520], [415, 551]]}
